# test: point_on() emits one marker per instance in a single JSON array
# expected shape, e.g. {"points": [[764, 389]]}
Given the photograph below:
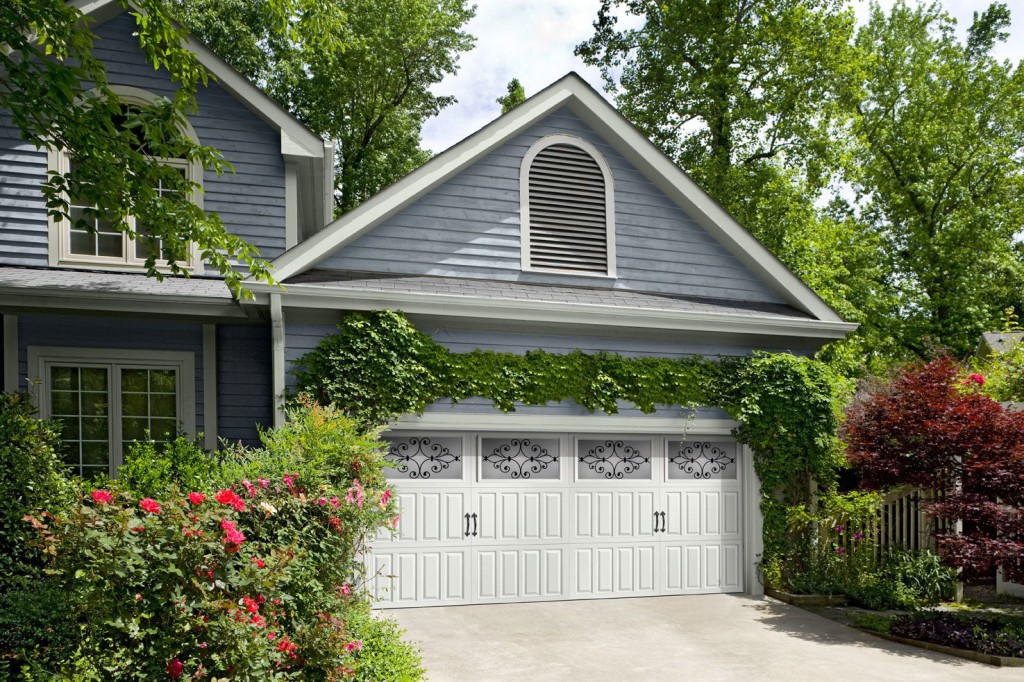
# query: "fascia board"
{"points": [[299, 296], [399, 195], [164, 304]]}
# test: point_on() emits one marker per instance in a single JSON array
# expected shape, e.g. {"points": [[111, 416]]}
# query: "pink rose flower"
{"points": [[196, 498], [101, 496], [150, 505]]}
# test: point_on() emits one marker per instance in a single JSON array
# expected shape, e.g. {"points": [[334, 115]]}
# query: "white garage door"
{"points": [[511, 517]]}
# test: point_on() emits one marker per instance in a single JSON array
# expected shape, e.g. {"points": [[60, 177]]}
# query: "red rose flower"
{"points": [[977, 378], [196, 498], [150, 505], [175, 668], [101, 496]]}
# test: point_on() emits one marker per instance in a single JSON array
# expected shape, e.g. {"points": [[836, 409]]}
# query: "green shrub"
{"points": [[151, 468], [244, 579], [32, 478], [36, 623], [385, 656]]}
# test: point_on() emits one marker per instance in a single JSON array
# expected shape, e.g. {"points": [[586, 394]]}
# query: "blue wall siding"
{"points": [[250, 201], [23, 231], [244, 389], [111, 332], [469, 227], [303, 337]]}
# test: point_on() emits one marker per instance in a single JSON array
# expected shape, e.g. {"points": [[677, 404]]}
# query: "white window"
{"points": [[86, 240], [105, 399], [568, 208]]}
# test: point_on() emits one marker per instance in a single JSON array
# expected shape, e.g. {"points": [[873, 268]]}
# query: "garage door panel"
{"points": [[609, 515], [614, 570], [518, 516], [701, 567], [419, 577], [520, 574]]}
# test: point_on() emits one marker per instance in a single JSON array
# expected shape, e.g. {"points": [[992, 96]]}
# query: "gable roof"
{"points": [[573, 92], [310, 153]]}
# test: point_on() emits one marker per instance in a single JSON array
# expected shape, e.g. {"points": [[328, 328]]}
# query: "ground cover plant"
{"points": [[242, 565], [999, 635]]}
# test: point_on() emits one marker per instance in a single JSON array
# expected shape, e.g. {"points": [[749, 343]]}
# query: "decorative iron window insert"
{"points": [[425, 457], [519, 458], [567, 208], [613, 459], [702, 460]]}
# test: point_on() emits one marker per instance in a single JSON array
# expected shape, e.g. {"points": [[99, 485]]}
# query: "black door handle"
{"points": [[655, 522], [663, 522], [466, 534], [474, 524]]}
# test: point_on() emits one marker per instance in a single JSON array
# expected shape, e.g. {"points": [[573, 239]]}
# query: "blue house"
{"points": [[557, 226]]}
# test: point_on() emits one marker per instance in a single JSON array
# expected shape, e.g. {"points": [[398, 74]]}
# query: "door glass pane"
{"points": [[149, 402], [79, 399], [613, 459], [519, 458], [425, 457], [702, 460]]}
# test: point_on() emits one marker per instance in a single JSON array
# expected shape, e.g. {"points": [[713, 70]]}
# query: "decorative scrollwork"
{"points": [[614, 459], [520, 458], [421, 457], [702, 460]]}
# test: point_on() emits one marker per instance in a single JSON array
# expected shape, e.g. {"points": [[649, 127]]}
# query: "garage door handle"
{"points": [[656, 521], [474, 524], [663, 522], [466, 534]]}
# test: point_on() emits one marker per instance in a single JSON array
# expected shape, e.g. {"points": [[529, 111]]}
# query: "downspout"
{"points": [[277, 345]]}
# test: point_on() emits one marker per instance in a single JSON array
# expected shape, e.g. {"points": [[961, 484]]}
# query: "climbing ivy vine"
{"points": [[379, 366]]}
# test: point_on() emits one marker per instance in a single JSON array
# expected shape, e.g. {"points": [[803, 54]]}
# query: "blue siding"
{"points": [[250, 201], [23, 225], [302, 338], [111, 332], [469, 227], [244, 388]]}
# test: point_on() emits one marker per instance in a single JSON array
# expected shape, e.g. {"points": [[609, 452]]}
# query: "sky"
{"points": [[533, 40]]}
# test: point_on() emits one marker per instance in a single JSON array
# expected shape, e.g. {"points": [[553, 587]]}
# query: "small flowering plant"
{"points": [[233, 582]]}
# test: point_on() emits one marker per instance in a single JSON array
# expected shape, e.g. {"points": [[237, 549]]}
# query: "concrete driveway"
{"points": [[702, 637]]}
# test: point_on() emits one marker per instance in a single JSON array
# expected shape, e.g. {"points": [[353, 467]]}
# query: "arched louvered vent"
{"points": [[568, 211]]}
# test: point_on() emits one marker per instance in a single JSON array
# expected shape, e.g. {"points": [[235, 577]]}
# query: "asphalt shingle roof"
{"points": [[94, 281], [516, 291]]}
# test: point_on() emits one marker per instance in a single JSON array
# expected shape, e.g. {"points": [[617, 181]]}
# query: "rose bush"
{"points": [[255, 578]]}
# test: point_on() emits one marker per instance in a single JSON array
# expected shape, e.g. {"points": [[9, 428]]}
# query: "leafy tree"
{"points": [[747, 97], [370, 89], [515, 96], [57, 95], [940, 128], [932, 428]]}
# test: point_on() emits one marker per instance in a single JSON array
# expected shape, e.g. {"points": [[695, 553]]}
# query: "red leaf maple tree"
{"points": [[932, 428]]}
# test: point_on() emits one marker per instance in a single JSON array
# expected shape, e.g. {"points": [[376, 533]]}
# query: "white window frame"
{"points": [[59, 161], [41, 358], [524, 203]]}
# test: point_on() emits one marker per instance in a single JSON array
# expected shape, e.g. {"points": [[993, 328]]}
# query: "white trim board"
{"points": [[573, 92], [320, 297], [591, 423]]}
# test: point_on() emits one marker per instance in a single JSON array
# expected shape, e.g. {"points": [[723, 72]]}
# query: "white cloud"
{"points": [[533, 40]]}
